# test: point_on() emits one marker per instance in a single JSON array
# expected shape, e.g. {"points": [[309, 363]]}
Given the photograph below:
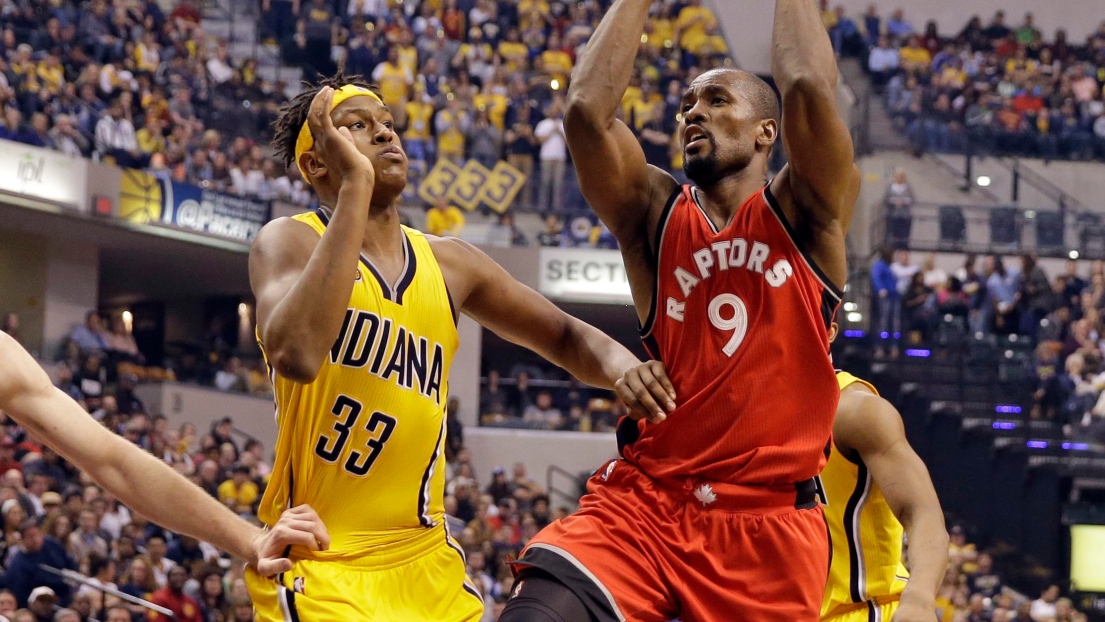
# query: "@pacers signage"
{"points": [[42, 174], [584, 275]]}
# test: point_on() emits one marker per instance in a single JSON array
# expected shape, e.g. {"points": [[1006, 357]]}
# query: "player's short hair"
{"points": [[286, 127]]}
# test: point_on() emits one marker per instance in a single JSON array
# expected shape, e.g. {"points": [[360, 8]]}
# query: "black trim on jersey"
{"points": [[805, 495], [569, 575], [825, 280], [464, 562], [829, 533], [423, 495], [850, 511], [411, 265], [661, 226], [710, 223], [626, 433], [289, 601], [872, 612], [829, 305], [452, 306]]}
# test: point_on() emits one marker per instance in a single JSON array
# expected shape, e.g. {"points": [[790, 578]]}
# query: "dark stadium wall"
{"points": [[23, 283]]}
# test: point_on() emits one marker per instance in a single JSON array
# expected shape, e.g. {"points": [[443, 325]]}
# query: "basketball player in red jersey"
{"points": [[711, 515]]}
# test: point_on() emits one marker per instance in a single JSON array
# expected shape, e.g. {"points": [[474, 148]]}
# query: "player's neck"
{"points": [[383, 236], [722, 198]]}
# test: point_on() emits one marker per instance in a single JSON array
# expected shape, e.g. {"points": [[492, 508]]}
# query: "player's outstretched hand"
{"points": [[647, 392], [298, 526], [334, 145]]}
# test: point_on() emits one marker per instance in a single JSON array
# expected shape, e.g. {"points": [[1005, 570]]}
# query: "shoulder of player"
{"points": [[865, 423], [283, 236], [461, 264]]}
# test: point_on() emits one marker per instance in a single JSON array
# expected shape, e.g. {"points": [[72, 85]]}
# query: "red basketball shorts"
{"points": [[700, 552]]}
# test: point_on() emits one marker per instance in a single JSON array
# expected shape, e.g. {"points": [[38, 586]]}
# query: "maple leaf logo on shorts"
{"points": [[705, 494]]}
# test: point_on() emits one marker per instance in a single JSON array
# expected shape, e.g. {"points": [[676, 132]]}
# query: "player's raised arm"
{"points": [[626, 193], [818, 189], [869, 426], [302, 284], [520, 315], [142, 482]]}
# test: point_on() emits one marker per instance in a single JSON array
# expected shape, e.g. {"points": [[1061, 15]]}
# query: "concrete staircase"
{"points": [[881, 133], [238, 22]]}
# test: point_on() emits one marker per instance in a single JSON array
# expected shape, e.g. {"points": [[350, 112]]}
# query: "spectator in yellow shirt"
{"points": [[914, 55], [639, 110], [533, 13], [393, 78], [239, 493], [828, 16], [51, 73], [557, 62], [714, 44], [443, 219], [416, 139], [150, 138], [692, 23], [514, 53], [451, 124]]}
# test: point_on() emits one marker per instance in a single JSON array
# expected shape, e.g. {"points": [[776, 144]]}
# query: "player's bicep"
{"points": [[276, 261], [614, 176], [878, 435]]}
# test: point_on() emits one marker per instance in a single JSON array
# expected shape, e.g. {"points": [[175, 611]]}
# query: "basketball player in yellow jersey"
{"points": [[357, 317], [872, 486]]}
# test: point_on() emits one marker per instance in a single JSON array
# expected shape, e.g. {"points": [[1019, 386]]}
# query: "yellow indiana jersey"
{"points": [[867, 569], [363, 444]]}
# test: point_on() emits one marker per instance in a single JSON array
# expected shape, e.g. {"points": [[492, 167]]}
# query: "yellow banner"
{"points": [[472, 185]]}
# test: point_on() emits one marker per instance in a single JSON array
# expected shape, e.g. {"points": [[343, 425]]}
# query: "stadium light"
{"points": [[984, 181], [243, 309], [128, 320], [1073, 254], [850, 306], [555, 84], [855, 317]]}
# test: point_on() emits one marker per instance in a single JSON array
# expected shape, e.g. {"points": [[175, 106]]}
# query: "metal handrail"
{"points": [[555, 470], [76, 577]]}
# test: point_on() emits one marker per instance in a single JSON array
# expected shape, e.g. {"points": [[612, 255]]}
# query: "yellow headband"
{"points": [[306, 140]]}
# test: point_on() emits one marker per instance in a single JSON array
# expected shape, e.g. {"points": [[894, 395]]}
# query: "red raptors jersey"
{"points": [[740, 319]]}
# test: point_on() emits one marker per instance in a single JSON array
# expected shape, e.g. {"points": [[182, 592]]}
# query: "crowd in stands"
{"points": [[1004, 296], [975, 591], [994, 86], [466, 79], [543, 398], [131, 83]]}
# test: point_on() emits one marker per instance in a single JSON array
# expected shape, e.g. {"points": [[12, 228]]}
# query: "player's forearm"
{"points": [[928, 551], [591, 356], [606, 66], [801, 53], [301, 329], [139, 480]]}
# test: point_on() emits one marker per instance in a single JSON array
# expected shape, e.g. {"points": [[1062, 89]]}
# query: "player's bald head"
{"points": [[764, 101]]}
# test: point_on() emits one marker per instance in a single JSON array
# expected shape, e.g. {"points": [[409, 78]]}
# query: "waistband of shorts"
{"points": [[381, 551], [846, 608], [720, 495]]}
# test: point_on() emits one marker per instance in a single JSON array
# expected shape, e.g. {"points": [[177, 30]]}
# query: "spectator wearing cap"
{"points": [[499, 488], [239, 492], [41, 604], [24, 571], [51, 504]]}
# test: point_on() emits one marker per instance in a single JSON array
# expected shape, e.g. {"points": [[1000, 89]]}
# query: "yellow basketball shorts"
{"points": [[871, 613], [431, 587]]}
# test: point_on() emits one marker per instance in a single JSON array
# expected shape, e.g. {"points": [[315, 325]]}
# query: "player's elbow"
{"points": [[294, 364], [809, 84], [584, 113]]}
